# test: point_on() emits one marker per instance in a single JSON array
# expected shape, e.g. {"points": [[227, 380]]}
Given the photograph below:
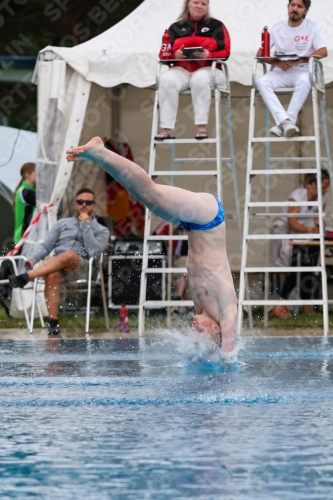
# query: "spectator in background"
{"points": [[280, 250], [194, 28], [24, 200], [71, 239], [300, 36]]}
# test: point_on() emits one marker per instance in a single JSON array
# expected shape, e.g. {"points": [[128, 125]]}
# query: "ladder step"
{"points": [[186, 141], [283, 139], [253, 204], [296, 158], [167, 238], [291, 237], [278, 302], [293, 171], [282, 269], [156, 304], [183, 172], [188, 160], [166, 270], [292, 216]]}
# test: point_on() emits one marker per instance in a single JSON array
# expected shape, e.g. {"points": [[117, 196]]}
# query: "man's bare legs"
{"points": [[180, 285], [52, 295], [170, 203], [51, 268], [67, 261]]}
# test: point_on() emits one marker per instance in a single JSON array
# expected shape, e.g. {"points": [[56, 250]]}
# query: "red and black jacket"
{"points": [[212, 35]]}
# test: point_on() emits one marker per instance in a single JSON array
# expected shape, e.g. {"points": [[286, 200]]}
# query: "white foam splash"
{"points": [[198, 348]]}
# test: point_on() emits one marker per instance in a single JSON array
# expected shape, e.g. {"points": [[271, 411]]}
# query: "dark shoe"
{"points": [[162, 136], [54, 327], [201, 134], [18, 281]]}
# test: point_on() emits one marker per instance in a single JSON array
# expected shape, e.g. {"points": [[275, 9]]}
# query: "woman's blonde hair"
{"points": [[27, 168], [183, 17]]}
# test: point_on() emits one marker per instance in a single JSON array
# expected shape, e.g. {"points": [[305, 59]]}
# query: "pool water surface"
{"points": [[165, 418]]}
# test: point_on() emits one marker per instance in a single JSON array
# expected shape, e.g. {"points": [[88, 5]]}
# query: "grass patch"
{"points": [[154, 320], [157, 319], [304, 321]]}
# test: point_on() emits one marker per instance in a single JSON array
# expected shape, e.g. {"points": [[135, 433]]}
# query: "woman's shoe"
{"points": [[201, 134], [162, 136]]}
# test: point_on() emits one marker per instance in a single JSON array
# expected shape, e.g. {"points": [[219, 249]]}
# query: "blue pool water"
{"points": [[164, 418]]}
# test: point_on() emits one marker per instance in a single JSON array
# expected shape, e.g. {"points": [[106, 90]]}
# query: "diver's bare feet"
{"points": [[86, 152]]}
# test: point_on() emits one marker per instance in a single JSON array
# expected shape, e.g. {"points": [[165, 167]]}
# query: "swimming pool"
{"points": [[161, 418]]}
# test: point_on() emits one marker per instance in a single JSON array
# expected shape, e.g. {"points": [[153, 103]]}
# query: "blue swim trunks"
{"points": [[190, 226]]}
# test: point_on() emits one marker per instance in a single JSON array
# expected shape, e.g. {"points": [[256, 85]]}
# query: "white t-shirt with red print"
{"points": [[302, 40]]}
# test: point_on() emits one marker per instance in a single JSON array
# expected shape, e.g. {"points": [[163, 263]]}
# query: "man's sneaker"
{"points": [[289, 129], [18, 281], [54, 327], [277, 130]]}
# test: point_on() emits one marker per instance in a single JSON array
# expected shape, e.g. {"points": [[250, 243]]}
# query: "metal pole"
{"points": [[246, 211], [298, 279], [89, 294], [320, 209], [34, 291], [232, 161], [105, 307]]}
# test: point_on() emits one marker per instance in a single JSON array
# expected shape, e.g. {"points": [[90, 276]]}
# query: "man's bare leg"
{"points": [[67, 261], [52, 295], [170, 203], [180, 285]]}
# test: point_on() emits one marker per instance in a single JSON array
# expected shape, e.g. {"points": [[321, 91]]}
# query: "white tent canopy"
{"points": [[127, 52]]}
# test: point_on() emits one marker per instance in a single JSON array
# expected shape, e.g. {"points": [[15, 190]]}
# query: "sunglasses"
{"points": [[87, 202]]}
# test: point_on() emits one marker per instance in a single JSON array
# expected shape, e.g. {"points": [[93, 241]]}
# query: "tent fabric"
{"points": [[128, 52], [16, 148], [62, 102]]}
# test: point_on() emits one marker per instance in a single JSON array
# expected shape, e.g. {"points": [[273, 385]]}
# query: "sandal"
{"points": [[161, 136], [201, 134]]}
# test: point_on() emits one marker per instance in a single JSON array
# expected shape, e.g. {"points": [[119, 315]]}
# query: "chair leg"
{"points": [[33, 303], [89, 295], [26, 315], [41, 319], [105, 307]]}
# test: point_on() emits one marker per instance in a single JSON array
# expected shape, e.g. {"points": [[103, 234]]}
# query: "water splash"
{"points": [[200, 350]]}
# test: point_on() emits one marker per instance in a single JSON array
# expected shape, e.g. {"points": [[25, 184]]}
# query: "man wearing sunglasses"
{"points": [[70, 239]]}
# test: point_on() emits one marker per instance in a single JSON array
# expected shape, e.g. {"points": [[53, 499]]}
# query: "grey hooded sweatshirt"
{"points": [[87, 239]]}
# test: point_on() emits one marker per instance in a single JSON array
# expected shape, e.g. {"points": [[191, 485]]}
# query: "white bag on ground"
{"points": [[16, 307]]}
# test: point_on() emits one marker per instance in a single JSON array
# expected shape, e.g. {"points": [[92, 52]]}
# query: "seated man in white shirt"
{"points": [[295, 35], [281, 256]]}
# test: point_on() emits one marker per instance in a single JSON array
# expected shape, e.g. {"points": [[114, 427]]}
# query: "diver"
{"points": [[202, 216]]}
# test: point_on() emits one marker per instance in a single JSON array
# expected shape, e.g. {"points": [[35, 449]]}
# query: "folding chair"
{"points": [[99, 280]]}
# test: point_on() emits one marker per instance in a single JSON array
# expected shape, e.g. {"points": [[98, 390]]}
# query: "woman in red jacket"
{"points": [[194, 28]]}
